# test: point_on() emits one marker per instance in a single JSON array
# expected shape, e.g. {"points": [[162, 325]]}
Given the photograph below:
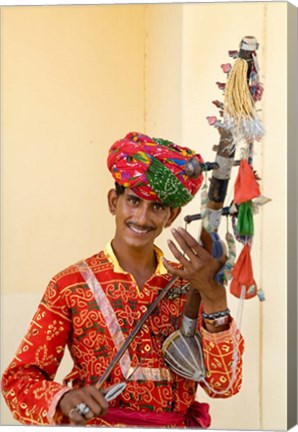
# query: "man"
{"points": [[95, 304]]}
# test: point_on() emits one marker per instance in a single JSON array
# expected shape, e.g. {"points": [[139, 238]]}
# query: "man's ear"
{"points": [[112, 200], [174, 213]]}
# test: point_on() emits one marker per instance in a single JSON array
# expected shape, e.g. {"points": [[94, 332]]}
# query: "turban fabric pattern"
{"points": [[154, 169]]}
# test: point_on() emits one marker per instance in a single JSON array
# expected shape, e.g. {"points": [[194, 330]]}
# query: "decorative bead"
{"points": [[215, 315]]}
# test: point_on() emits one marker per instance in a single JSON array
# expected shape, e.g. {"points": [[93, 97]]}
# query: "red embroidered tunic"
{"points": [[93, 323]]}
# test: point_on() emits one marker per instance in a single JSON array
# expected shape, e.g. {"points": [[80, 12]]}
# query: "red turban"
{"points": [[154, 169]]}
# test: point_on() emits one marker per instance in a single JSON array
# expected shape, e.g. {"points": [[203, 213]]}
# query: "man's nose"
{"points": [[143, 215]]}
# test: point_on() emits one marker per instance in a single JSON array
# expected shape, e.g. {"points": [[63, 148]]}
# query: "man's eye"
{"points": [[158, 206], [133, 200]]}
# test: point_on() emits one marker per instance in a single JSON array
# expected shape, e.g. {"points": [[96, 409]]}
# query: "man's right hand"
{"points": [[87, 396]]}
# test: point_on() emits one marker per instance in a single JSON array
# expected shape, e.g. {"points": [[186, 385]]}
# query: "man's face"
{"points": [[139, 221]]}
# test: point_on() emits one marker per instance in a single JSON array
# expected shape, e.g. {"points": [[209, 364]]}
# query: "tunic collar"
{"points": [[110, 254]]}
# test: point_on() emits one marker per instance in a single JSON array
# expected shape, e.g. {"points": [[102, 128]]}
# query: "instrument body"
{"points": [[184, 355]]}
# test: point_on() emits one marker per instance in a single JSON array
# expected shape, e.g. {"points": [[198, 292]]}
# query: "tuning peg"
{"points": [[233, 53], [218, 104], [212, 120], [220, 85], [226, 67]]}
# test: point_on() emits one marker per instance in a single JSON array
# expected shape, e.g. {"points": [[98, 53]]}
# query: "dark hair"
{"points": [[119, 189]]}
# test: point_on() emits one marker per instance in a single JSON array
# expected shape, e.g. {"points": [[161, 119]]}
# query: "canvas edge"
{"points": [[292, 239]]}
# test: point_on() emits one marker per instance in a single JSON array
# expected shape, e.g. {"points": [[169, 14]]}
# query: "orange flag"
{"points": [[246, 186], [243, 275]]}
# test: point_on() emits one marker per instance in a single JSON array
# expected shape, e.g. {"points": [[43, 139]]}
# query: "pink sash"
{"points": [[196, 415]]}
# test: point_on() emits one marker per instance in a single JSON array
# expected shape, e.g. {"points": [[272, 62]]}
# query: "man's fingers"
{"points": [[75, 418], [96, 402], [83, 404], [206, 239], [173, 270], [177, 254], [190, 245], [187, 243], [203, 251]]}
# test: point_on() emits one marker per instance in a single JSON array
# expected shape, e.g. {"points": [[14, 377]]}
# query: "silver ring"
{"points": [[82, 409], [71, 411]]}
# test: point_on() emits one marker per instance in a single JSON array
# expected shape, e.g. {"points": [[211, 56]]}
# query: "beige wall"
{"points": [[76, 78], [263, 395]]}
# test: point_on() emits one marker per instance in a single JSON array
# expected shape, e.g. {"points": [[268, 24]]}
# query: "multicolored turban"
{"points": [[154, 169]]}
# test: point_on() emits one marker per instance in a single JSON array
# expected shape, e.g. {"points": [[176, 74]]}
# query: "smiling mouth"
{"points": [[139, 230]]}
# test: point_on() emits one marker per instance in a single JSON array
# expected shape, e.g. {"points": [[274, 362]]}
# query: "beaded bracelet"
{"points": [[215, 315]]}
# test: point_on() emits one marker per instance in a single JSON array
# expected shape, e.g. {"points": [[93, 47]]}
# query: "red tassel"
{"points": [[243, 275], [246, 186]]}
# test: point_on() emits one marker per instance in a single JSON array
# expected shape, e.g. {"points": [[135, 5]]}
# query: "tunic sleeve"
{"points": [[28, 382], [223, 359]]}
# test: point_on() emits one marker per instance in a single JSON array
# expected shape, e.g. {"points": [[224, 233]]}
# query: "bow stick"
{"points": [[134, 332]]}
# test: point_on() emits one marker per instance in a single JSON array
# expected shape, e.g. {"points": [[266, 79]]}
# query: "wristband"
{"points": [[217, 318], [216, 322], [188, 326]]}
